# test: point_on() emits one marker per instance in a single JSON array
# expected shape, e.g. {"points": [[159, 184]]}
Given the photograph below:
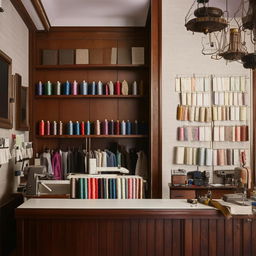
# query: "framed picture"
{"points": [[6, 92], [22, 120]]}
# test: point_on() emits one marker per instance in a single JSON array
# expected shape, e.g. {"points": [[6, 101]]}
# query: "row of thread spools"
{"points": [[92, 128], [93, 88]]}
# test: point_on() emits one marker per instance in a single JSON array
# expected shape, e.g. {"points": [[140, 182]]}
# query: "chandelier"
{"points": [[225, 36]]}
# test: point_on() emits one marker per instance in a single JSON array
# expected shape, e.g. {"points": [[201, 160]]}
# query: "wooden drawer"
{"points": [[182, 194]]}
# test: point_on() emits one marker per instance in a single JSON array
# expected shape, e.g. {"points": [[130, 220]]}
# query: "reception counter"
{"points": [[130, 228]]}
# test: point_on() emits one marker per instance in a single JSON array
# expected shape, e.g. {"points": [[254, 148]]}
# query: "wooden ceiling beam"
{"points": [[20, 8], [41, 14]]}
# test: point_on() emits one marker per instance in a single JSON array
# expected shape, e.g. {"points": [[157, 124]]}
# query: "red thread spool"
{"points": [[118, 88], [117, 127], [41, 128], [82, 128]]}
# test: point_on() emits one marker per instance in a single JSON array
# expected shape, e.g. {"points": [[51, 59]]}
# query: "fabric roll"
{"points": [[215, 113], [191, 114], [188, 156], [219, 109], [221, 98], [185, 113], [237, 113], [202, 114], [183, 99], [195, 133], [189, 100], [215, 157], [207, 133], [201, 133], [193, 99], [243, 113], [208, 157], [179, 113], [181, 133], [208, 115], [228, 113], [215, 98], [223, 113], [195, 156], [221, 157], [236, 157], [196, 118], [229, 156], [185, 133], [201, 157], [179, 155], [216, 133], [206, 99], [244, 133], [226, 98], [199, 99], [238, 133], [222, 133], [235, 98], [232, 113]]}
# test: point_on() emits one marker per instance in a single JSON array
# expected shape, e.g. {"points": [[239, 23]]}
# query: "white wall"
{"points": [[14, 37], [181, 54]]}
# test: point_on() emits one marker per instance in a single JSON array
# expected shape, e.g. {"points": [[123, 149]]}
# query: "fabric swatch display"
{"points": [[194, 114], [194, 133], [59, 163], [110, 187], [228, 157], [231, 133], [193, 156]]}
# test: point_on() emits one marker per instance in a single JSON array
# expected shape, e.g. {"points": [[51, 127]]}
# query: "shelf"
{"points": [[90, 66], [91, 136], [90, 96]]}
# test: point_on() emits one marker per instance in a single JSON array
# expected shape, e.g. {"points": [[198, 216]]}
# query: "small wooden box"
{"points": [[179, 179]]}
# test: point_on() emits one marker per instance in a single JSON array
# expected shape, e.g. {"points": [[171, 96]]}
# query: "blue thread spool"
{"points": [[70, 128], [66, 88], [88, 128], [84, 88], [39, 88], [128, 127], [76, 128], [93, 88]]}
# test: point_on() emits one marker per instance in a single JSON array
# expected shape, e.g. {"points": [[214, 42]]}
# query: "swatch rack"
{"points": [[213, 122]]}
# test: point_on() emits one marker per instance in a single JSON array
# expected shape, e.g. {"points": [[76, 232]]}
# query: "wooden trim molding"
{"points": [[20, 8], [156, 136], [41, 14]]}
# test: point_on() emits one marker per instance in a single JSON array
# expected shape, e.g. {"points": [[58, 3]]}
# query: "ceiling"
{"points": [[96, 12]]}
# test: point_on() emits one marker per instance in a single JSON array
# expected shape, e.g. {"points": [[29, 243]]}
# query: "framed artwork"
{"points": [[6, 92], [22, 120]]}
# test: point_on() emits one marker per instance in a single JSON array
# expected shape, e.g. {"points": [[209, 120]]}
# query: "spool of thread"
{"points": [[123, 128], [105, 127], [41, 128], [48, 88], [93, 88], [128, 127], [82, 128], [111, 128], [73, 188], [135, 127], [106, 89], [70, 128], [117, 127], [74, 88], [88, 128], [111, 88], [57, 88], [54, 128], [60, 128], [134, 88], [39, 88], [76, 128], [97, 127], [99, 88], [47, 128], [117, 88], [66, 88], [84, 88]]}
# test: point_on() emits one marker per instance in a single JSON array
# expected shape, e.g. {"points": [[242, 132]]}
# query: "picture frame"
{"points": [[22, 112], [6, 92]]}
